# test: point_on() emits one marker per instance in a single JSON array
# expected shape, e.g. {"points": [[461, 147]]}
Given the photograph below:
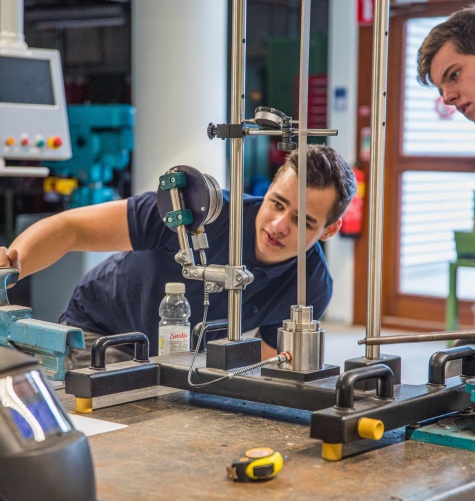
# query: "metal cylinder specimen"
{"points": [[302, 337]]}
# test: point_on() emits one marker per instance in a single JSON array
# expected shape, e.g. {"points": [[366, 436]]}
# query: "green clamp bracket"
{"points": [[178, 217], [173, 180], [470, 388]]}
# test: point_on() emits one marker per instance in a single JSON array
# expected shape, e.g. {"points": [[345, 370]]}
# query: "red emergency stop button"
{"points": [[25, 141], [55, 142]]}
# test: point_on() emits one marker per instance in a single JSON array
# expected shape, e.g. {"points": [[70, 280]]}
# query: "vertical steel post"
{"points": [[376, 189], [11, 24], [302, 163], [237, 175]]}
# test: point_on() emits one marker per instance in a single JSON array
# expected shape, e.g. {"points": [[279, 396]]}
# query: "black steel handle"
{"points": [[345, 386], [211, 326], [439, 360], [99, 347]]}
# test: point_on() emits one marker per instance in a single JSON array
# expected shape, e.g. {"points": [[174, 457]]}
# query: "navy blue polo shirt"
{"points": [[123, 293]]}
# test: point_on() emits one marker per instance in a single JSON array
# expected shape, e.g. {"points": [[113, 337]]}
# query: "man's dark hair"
{"points": [[458, 29], [326, 169]]}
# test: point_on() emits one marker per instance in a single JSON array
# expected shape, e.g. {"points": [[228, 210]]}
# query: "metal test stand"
{"points": [[367, 398]]}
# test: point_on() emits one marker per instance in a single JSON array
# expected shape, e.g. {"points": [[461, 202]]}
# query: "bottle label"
{"points": [[173, 338]]}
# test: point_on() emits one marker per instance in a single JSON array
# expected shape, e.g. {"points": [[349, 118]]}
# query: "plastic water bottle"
{"points": [[174, 327]]}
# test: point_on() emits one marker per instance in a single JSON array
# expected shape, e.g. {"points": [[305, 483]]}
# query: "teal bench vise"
{"points": [[48, 342], [470, 388]]}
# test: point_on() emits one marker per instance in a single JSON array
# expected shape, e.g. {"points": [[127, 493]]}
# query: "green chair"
{"points": [[465, 247]]}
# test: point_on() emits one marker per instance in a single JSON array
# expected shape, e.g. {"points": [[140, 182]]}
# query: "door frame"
{"points": [[403, 311]]}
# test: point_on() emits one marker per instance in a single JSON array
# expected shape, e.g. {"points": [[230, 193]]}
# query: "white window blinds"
{"points": [[430, 127], [434, 204]]}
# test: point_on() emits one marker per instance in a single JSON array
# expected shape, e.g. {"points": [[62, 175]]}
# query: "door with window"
{"points": [[429, 186]]}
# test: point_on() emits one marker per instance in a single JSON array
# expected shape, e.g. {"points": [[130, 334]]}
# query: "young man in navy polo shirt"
{"points": [[122, 294]]}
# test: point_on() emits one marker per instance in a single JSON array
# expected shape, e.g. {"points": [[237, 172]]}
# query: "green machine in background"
{"points": [[102, 140]]}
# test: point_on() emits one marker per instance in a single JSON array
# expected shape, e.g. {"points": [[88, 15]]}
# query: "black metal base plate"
{"points": [[227, 355], [301, 376], [392, 361], [121, 376]]}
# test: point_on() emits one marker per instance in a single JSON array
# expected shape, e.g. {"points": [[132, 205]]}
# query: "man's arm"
{"points": [[267, 351], [102, 227]]}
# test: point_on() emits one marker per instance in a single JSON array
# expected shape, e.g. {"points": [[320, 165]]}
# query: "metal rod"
{"points": [[237, 176], [7, 171], [419, 338], [376, 192], [180, 230], [302, 162], [11, 24], [9, 196], [310, 132]]}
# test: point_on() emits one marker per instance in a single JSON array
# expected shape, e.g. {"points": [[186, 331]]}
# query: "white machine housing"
{"points": [[33, 115]]}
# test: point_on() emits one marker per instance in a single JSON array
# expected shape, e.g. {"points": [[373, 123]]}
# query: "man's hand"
{"points": [[9, 258]]}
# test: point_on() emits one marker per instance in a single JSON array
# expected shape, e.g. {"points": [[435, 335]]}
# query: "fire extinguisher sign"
{"points": [[352, 220], [365, 12]]}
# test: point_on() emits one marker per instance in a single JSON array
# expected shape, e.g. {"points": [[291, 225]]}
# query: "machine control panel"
{"points": [[33, 115]]}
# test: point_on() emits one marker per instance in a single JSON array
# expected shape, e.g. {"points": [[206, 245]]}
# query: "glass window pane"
{"points": [[433, 206], [430, 127]]}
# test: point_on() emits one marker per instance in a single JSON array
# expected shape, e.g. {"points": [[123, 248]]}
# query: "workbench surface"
{"points": [[178, 444]]}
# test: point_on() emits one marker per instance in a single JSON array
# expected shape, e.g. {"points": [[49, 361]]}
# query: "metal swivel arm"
{"points": [[195, 200], [269, 122]]}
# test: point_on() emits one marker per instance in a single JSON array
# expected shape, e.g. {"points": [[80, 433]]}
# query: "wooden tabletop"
{"points": [[178, 444]]}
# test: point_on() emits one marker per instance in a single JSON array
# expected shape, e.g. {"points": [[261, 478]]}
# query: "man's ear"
{"points": [[331, 230]]}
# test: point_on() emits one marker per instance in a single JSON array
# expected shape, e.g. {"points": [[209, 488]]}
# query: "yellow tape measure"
{"points": [[260, 463]]}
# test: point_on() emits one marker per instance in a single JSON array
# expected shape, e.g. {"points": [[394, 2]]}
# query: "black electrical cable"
{"points": [[198, 344], [283, 357]]}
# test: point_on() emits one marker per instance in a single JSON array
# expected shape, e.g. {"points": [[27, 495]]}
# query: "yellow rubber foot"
{"points": [[83, 405], [370, 428], [332, 452]]}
